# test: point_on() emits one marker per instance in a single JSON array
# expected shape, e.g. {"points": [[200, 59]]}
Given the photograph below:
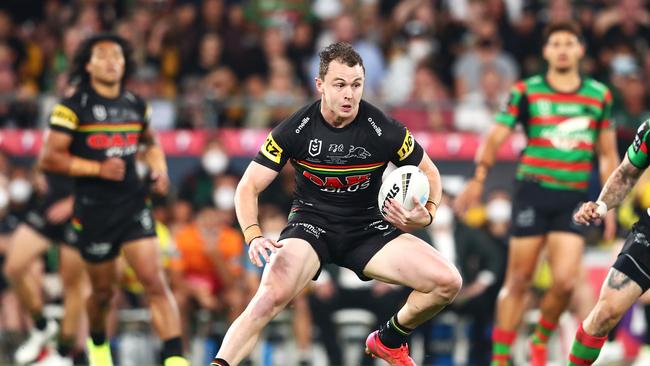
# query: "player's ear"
{"points": [[319, 84]]}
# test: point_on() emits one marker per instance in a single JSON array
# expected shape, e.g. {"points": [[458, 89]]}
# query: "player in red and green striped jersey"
{"points": [[629, 276], [566, 120]]}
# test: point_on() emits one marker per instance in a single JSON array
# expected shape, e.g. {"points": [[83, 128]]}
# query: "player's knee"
{"points": [[563, 286], [518, 281], [269, 301], [102, 296], [153, 284], [606, 315], [10, 272], [449, 285]]}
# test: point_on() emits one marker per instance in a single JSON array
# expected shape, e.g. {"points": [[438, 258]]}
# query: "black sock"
{"points": [[393, 334], [39, 321], [172, 347], [64, 345], [219, 362], [98, 338]]}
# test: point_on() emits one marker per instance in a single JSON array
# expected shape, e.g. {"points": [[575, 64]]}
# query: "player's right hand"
{"points": [[587, 214], [112, 169], [261, 247], [469, 197]]}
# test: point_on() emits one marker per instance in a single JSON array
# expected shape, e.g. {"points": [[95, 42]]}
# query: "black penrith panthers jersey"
{"points": [[102, 128], [339, 170]]}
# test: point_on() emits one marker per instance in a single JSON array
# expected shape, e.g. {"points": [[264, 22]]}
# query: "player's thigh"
{"points": [[617, 294], [71, 267], [291, 268], [26, 245], [143, 255], [564, 252], [523, 255], [409, 261]]}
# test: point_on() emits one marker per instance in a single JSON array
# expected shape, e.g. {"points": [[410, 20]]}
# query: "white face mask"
{"points": [[4, 199], [418, 50], [224, 198], [20, 190], [444, 217], [214, 161], [499, 211]]}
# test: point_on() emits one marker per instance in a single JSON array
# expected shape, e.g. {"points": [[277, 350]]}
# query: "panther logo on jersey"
{"points": [[357, 152]]}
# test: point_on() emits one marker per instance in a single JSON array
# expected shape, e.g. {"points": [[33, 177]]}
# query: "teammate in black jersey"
{"points": [[46, 224], [94, 136], [339, 146]]}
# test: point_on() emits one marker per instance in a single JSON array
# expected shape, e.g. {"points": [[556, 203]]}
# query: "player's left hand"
{"points": [[160, 182], [587, 214], [60, 211], [406, 220]]}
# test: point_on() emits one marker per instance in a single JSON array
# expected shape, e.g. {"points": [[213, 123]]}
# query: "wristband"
{"points": [[433, 203], [252, 232], [430, 219], [601, 208], [80, 167]]}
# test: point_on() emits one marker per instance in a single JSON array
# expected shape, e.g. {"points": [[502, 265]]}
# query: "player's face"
{"points": [[341, 91], [106, 64], [563, 51]]}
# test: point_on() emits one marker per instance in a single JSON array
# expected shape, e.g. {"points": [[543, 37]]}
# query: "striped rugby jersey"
{"points": [[103, 128], [339, 170], [562, 130]]}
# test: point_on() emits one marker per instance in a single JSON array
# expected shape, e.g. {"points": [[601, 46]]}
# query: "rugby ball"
{"points": [[402, 184]]}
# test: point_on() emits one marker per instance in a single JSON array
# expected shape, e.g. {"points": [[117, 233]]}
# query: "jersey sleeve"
{"points": [[408, 151], [63, 118], [274, 152], [515, 108], [637, 153], [605, 122]]}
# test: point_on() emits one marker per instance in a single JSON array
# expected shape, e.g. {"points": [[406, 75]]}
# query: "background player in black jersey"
{"points": [[340, 146], [94, 136], [42, 226]]}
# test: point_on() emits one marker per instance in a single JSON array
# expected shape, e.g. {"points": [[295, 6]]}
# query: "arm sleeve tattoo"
{"points": [[619, 183]]}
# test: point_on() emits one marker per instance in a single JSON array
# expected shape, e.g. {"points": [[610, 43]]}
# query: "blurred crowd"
{"points": [[436, 65]]}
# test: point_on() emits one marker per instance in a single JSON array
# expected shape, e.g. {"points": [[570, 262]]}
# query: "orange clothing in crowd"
{"points": [[194, 261]]}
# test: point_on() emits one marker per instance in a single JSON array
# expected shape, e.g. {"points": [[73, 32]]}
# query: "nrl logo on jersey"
{"points": [[99, 111], [315, 146]]}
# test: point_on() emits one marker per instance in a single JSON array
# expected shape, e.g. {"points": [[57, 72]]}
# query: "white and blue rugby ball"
{"points": [[402, 184]]}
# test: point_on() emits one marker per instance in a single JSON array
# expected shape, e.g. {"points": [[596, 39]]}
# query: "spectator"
{"points": [[345, 28], [209, 260], [475, 112], [197, 188], [429, 107], [485, 51]]}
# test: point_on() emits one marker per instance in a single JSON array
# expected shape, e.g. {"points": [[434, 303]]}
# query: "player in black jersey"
{"points": [[45, 224], [629, 277], [340, 146], [94, 136]]}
